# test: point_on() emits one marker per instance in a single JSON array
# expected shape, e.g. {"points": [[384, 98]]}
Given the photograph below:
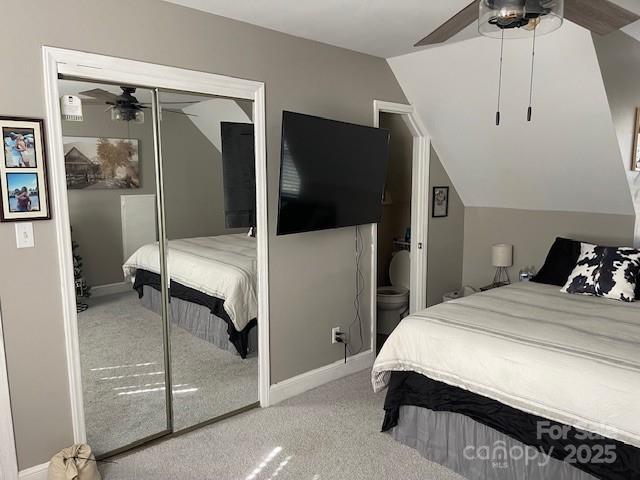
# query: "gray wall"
{"points": [[396, 216], [95, 214], [446, 238], [619, 58], [194, 187], [300, 75], [532, 233]]}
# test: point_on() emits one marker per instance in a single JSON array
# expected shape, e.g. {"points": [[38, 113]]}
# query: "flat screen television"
{"points": [[238, 174], [332, 174]]}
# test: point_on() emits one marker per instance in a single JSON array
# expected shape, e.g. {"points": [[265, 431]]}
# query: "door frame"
{"points": [[8, 458], [89, 66], [419, 209]]}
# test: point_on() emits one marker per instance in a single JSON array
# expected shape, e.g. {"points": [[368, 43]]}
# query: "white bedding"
{"points": [[223, 266], [568, 358]]}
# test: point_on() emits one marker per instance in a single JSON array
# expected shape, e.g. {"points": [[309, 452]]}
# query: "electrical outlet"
{"points": [[334, 332]]}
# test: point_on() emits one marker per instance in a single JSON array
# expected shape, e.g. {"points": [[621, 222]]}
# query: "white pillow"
{"points": [[610, 272]]}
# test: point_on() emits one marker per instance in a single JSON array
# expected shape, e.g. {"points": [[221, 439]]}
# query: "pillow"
{"points": [[611, 272], [560, 262]]}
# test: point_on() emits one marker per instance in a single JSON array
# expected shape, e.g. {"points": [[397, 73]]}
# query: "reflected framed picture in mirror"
{"points": [[635, 154]]}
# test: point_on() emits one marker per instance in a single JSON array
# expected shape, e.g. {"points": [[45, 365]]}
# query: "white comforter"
{"points": [[222, 266], [568, 358]]}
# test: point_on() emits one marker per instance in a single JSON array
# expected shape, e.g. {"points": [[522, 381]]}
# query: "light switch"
{"points": [[24, 235]]}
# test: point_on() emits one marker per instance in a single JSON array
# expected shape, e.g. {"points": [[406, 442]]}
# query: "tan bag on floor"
{"points": [[74, 463]]}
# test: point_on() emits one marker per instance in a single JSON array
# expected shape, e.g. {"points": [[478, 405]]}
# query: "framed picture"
{"points": [[440, 202], [23, 170], [101, 163], [635, 154]]}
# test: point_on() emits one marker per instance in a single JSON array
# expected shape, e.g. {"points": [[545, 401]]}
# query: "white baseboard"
{"points": [[110, 289], [39, 472], [315, 378]]}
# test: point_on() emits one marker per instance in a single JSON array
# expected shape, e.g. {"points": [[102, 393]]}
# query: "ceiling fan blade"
{"points": [[100, 94], [170, 110], [170, 103], [599, 16], [92, 101], [455, 24]]}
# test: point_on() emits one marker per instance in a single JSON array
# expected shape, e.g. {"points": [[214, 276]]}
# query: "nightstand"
{"points": [[463, 292]]}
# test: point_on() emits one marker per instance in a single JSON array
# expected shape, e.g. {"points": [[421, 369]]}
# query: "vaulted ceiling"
{"points": [[566, 158], [384, 28]]}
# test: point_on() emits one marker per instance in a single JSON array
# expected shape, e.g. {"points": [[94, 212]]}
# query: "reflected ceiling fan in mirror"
{"points": [[126, 107], [505, 19]]}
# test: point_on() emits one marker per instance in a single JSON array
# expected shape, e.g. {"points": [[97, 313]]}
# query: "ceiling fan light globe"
{"points": [[518, 18], [119, 114]]}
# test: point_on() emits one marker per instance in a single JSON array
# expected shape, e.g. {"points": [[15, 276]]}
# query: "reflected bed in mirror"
{"points": [[217, 273], [214, 307]]}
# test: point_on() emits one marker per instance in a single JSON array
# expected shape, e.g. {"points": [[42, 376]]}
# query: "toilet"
{"points": [[393, 301]]}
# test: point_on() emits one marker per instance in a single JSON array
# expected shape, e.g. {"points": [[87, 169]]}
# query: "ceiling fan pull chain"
{"points": [[500, 79], [533, 59]]}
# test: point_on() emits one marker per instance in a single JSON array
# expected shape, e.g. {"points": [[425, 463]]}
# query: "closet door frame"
{"points": [[100, 68]]}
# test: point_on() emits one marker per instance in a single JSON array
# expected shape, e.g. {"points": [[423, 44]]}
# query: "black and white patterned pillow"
{"points": [[610, 272]]}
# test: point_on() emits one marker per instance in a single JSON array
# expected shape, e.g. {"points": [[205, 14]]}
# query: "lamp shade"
{"points": [[502, 255]]}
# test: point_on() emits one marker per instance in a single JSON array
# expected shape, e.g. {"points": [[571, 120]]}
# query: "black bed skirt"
{"points": [[601, 457], [239, 339]]}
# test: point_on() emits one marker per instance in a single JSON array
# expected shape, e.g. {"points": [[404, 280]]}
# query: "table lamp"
{"points": [[502, 258]]}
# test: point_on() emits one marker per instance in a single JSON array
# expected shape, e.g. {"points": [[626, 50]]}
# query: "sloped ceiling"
{"points": [[377, 27], [207, 115], [381, 28], [566, 159]]}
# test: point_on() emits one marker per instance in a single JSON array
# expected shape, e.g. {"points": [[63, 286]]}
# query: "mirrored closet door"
{"points": [[112, 187], [209, 197], [161, 189]]}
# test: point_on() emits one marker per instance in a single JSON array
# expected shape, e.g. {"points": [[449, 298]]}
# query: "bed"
{"points": [[212, 287], [519, 382]]}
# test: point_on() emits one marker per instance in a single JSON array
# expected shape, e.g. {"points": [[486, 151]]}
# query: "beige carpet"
{"points": [[121, 353], [330, 433]]}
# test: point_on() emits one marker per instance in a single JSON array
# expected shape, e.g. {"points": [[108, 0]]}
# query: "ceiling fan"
{"points": [[505, 19], [599, 16], [126, 106]]}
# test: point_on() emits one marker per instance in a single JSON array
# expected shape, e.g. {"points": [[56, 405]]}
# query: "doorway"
{"points": [[160, 193], [405, 223]]}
